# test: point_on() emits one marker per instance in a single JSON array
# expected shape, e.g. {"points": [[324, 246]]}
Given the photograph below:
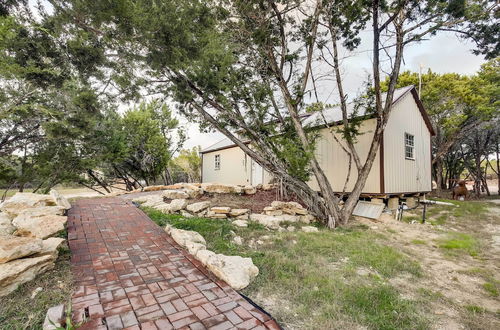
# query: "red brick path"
{"points": [[130, 274]]}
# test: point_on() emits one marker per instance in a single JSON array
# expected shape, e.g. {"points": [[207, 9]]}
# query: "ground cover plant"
{"points": [[379, 275]]}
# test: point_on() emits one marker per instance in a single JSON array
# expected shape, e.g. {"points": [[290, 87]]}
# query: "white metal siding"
{"points": [[405, 175], [335, 161], [234, 167]]}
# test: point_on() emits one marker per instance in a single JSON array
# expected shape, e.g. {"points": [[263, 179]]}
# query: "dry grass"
{"points": [[19, 311]]}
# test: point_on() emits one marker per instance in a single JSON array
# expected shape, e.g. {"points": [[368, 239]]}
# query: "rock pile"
{"points": [[280, 212], [236, 271], [200, 209], [194, 190], [27, 223], [272, 216]]}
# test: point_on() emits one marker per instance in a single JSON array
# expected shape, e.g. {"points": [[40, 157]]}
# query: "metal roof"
{"points": [[334, 114], [331, 115]]}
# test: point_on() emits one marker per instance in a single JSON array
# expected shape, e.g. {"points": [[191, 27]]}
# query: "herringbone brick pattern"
{"points": [[130, 274]]}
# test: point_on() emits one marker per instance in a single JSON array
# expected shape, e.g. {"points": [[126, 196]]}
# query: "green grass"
{"points": [[19, 311], [474, 309], [492, 288], [418, 242], [461, 209], [460, 243], [313, 276], [382, 307]]}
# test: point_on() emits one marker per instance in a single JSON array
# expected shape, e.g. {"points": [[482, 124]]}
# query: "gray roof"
{"points": [[224, 143], [334, 114]]}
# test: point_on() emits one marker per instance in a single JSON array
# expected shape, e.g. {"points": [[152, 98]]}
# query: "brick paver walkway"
{"points": [[130, 274]]}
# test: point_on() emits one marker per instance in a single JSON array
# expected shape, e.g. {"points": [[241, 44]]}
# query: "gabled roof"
{"points": [[225, 143], [333, 115]]}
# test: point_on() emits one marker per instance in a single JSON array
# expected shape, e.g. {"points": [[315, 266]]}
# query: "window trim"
{"points": [[409, 146], [217, 162]]}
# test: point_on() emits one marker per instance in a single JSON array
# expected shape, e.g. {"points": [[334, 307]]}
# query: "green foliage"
{"points": [[149, 152], [188, 162]]}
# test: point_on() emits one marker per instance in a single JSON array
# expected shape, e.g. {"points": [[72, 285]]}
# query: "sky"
{"points": [[443, 53]]}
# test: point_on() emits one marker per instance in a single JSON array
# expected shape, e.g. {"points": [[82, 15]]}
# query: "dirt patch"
{"points": [[455, 281]]}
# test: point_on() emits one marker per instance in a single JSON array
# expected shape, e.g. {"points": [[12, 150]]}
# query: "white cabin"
{"points": [[402, 165]]}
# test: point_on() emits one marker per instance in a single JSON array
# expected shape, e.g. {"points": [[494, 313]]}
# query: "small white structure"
{"points": [[402, 165]]}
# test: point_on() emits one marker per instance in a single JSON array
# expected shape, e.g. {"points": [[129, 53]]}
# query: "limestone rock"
{"points": [[42, 211], [237, 240], [60, 200], [309, 229], [54, 318], [41, 227], [276, 205], [214, 215], [267, 186], [175, 194], [290, 228], [21, 201], [294, 211], [219, 188], [307, 218], [142, 199], [194, 247], [198, 207], [272, 211], [50, 247], [193, 191], [169, 228], [6, 227], [156, 188], [238, 212], [393, 203], [249, 190], [35, 292], [165, 208], [150, 200], [186, 214], [204, 255], [236, 271], [221, 210], [19, 271], [13, 247], [184, 237], [288, 218], [266, 220], [240, 223], [243, 217], [177, 205]]}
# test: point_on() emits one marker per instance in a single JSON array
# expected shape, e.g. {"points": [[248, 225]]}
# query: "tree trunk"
{"points": [[98, 181], [497, 152], [438, 165]]}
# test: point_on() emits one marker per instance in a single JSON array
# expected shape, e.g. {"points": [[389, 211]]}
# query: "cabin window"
{"points": [[217, 162], [409, 146]]}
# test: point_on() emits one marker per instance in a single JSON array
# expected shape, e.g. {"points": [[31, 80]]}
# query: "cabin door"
{"points": [[257, 174]]}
